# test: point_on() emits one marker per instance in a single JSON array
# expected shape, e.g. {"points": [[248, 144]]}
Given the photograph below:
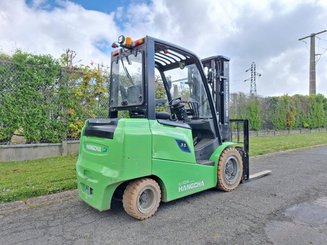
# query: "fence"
{"points": [[42, 102], [47, 103], [269, 132], [22, 152]]}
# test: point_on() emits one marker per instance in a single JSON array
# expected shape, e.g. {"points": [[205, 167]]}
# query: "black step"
{"points": [[206, 162]]}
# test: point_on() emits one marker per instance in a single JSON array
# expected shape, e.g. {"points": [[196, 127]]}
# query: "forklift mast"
{"points": [[217, 72], [216, 69]]}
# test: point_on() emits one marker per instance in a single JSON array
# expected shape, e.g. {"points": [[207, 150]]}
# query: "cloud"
{"points": [[266, 32], [277, 39], [41, 28], [245, 31]]}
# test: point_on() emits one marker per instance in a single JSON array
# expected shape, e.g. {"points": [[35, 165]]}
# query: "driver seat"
{"points": [[162, 115]]}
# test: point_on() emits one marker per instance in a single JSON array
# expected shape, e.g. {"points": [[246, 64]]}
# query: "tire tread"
{"points": [[221, 184], [130, 198]]}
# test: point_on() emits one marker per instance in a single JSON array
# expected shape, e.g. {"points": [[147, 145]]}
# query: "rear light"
{"points": [[138, 42], [126, 42], [115, 53]]}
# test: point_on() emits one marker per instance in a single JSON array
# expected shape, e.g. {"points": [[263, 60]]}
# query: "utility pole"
{"points": [[312, 65], [252, 79]]}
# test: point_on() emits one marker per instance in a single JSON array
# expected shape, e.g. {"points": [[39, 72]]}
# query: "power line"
{"points": [[312, 65], [320, 38], [321, 50]]}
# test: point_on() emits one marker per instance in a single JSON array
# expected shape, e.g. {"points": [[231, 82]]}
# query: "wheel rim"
{"points": [[231, 169], [146, 200]]}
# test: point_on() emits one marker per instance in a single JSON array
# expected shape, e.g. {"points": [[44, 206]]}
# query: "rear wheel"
{"points": [[230, 168], [141, 198]]}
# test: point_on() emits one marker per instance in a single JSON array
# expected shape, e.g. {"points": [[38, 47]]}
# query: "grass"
{"points": [[269, 144], [22, 180]]}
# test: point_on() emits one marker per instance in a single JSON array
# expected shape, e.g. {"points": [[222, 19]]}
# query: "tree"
{"points": [[316, 113], [254, 114], [239, 106], [280, 111], [44, 101]]}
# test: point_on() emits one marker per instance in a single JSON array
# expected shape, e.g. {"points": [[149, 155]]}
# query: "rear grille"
{"points": [[103, 128]]}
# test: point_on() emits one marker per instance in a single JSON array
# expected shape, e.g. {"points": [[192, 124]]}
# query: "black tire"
{"points": [[141, 198], [230, 169]]}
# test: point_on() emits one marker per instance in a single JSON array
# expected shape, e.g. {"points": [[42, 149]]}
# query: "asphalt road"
{"points": [[287, 207]]}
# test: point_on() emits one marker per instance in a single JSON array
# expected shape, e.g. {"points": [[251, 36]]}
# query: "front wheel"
{"points": [[230, 169], [141, 198]]}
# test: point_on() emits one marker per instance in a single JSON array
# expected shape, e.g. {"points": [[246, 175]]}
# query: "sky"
{"points": [[262, 31]]}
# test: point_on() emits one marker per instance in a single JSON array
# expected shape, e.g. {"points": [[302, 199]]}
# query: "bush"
{"points": [[280, 112], [45, 102], [28, 98]]}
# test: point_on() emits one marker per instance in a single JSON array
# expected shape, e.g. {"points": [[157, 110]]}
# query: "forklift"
{"points": [[168, 134]]}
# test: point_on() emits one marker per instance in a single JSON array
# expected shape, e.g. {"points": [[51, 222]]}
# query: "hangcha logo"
{"points": [[93, 148], [96, 148], [190, 186]]}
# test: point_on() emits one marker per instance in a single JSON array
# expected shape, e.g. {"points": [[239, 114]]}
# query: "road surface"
{"points": [[287, 207]]}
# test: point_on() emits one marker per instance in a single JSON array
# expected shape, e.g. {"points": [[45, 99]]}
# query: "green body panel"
{"points": [[103, 162], [141, 148], [165, 146], [181, 179], [216, 154]]}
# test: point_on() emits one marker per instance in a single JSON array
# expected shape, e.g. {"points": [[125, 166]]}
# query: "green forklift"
{"points": [[168, 134]]}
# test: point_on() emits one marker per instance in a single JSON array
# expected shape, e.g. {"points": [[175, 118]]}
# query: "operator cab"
{"points": [[160, 81], [178, 80]]}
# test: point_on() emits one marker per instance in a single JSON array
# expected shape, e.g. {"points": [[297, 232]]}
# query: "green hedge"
{"points": [[44, 101], [281, 112]]}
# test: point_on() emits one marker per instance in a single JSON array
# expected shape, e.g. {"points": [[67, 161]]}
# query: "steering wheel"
{"points": [[175, 102], [178, 109]]}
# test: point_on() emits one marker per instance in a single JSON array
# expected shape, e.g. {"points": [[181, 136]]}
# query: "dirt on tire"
{"points": [[132, 195], [222, 183]]}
